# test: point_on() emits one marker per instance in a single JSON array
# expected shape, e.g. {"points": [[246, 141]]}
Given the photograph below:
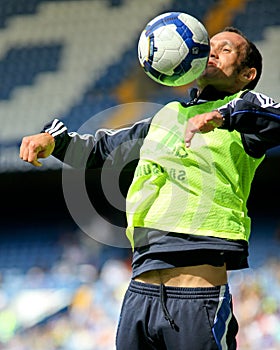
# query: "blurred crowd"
{"points": [[96, 278], [256, 298]]}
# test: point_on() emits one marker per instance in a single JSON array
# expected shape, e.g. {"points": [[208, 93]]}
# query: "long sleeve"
{"points": [[257, 118], [105, 147]]}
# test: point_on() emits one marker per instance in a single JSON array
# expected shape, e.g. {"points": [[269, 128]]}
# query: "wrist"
{"points": [[225, 120]]}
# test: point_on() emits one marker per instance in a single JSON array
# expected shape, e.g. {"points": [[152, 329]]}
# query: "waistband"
{"points": [[178, 292]]}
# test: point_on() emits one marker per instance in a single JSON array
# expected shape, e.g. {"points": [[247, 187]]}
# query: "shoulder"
{"points": [[258, 98]]}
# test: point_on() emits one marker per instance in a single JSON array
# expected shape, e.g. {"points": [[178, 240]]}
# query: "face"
{"points": [[224, 67]]}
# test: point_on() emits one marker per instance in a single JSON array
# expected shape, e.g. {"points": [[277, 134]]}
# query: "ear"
{"points": [[248, 74]]}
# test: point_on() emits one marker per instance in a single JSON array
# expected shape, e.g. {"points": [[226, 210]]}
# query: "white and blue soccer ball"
{"points": [[174, 48]]}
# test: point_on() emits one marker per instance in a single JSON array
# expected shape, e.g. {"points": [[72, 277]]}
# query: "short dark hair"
{"points": [[253, 57]]}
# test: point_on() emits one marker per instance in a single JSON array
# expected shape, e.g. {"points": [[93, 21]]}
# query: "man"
{"points": [[187, 219]]}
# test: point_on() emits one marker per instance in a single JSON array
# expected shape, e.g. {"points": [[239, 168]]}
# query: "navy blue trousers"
{"points": [[160, 317]]}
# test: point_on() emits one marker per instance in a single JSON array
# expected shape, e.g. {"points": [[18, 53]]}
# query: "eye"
{"points": [[226, 49]]}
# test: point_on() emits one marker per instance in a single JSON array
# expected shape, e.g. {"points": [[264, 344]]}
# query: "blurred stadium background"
{"points": [[72, 59]]}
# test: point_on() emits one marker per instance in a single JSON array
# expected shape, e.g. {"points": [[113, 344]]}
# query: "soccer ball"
{"points": [[174, 48]]}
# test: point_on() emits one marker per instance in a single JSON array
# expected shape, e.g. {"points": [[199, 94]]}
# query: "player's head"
{"points": [[252, 58], [234, 64]]}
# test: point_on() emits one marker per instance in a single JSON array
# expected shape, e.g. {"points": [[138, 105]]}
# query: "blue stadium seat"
{"points": [[23, 248], [256, 16], [21, 66]]}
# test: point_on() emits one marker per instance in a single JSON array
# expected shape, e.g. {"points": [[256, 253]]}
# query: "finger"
{"points": [[25, 156], [36, 163], [188, 140], [190, 132], [189, 136], [23, 151], [33, 149]]}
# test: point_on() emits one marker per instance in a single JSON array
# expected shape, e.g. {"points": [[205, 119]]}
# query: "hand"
{"points": [[36, 146], [202, 123]]}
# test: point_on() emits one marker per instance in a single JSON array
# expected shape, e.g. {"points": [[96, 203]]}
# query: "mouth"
{"points": [[212, 63]]}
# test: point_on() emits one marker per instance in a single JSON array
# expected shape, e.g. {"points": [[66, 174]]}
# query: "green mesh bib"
{"points": [[199, 190]]}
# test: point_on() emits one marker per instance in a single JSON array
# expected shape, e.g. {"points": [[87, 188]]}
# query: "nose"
{"points": [[213, 52]]}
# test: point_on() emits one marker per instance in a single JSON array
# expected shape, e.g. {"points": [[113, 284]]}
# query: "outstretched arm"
{"points": [[36, 146], [90, 151]]}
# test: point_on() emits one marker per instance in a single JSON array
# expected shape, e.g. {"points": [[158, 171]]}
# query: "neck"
{"points": [[210, 93]]}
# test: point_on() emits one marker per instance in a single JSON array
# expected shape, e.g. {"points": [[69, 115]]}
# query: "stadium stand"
{"points": [[74, 59]]}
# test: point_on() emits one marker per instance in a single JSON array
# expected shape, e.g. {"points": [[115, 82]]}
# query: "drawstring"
{"points": [[167, 315]]}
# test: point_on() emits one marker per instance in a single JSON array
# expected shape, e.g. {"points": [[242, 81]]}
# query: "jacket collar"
{"points": [[209, 93]]}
